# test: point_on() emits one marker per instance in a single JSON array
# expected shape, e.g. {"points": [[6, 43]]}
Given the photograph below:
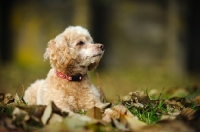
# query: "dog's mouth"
{"points": [[97, 55]]}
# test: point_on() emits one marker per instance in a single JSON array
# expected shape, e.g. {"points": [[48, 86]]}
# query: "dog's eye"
{"points": [[80, 43]]}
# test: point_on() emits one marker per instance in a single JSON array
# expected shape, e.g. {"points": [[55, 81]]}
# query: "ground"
{"points": [[156, 101]]}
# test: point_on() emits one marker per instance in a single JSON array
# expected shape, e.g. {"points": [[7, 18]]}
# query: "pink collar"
{"points": [[77, 77]]}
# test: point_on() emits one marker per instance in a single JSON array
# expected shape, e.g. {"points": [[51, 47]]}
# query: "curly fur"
{"points": [[71, 52]]}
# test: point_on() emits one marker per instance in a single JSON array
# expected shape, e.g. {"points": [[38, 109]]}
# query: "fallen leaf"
{"points": [[120, 126], [167, 126], [177, 92], [187, 114], [115, 112], [36, 110], [55, 127], [58, 110], [47, 114], [6, 123], [20, 116], [140, 97], [167, 117], [134, 123], [104, 106], [55, 118], [8, 98], [126, 98], [197, 100], [94, 113], [77, 122], [122, 119]]}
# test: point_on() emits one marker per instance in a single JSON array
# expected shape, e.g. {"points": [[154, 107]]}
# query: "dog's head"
{"points": [[74, 51]]}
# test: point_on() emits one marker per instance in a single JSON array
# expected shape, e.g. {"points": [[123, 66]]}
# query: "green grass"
{"points": [[150, 114], [82, 112], [6, 109], [151, 110]]}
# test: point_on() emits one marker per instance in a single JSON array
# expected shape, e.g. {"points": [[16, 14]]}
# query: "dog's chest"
{"points": [[69, 95], [79, 96]]}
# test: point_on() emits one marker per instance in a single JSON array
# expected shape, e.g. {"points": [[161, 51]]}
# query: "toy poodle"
{"points": [[72, 54]]}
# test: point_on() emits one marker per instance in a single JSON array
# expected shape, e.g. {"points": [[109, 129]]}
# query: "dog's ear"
{"points": [[58, 52], [92, 66], [48, 52], [57, 48]]}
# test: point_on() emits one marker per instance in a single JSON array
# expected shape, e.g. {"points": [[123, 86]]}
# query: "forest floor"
{"points": [[155, 102], [145, 112]]}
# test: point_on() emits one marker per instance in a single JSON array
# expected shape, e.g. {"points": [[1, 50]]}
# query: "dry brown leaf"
{"points": [[20, 116], [187, 113], [37, 110], [77, 122], [140, 97], [55, 127], [177, 92], [115, 112], [120, 126], [134, 123], [6, 123], [126, 98], [8, 98], [57, 110], [94, 113], [167, 126], [104, 106], [173, 104], [47, 114], [167, 117], [122, 119], [197, 100], [55, 118], [153, 92], [36, 120], [49, 110], [20, 113]]}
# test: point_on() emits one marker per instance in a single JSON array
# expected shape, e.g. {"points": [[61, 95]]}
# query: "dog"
{"points": [[72, 54]]}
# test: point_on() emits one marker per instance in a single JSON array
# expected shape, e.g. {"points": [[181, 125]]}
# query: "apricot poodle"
{"points": [[72, 54]]}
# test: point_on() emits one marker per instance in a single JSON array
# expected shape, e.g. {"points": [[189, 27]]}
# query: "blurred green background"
{"points": [[150, 44]]}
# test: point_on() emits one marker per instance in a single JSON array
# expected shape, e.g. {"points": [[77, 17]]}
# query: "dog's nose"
{"points": [[101, 46]]}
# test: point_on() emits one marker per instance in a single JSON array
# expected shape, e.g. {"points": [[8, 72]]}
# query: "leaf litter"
{"points": [[137, 111]]}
